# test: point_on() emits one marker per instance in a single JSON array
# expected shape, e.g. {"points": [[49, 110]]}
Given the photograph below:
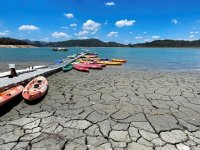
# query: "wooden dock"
{"points": [[6, 82]]}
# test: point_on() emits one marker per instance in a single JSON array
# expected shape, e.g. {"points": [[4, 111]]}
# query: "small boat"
{"points": [[90, 56], [35, 89], [67, 68], [104, 59], [73, 56], [59, 61], [60, 49], [109, 63], [10, 94], [88, 62], [119, 60], [91, 66], [81, 68]]}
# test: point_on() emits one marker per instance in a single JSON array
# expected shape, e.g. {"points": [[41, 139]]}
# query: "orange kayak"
{"points": [[119, 60], [10, 94], [35, 89], [109, 62]]}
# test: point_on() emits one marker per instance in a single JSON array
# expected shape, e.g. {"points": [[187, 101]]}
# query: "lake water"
{"points": [[138, 58]]}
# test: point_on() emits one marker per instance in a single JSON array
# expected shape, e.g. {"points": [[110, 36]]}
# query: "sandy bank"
{"points": [[17, 46]]}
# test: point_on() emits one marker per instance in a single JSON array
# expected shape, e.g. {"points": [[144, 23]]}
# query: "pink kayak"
{"points": [[91, 66], [81, 68], [100, 65]]}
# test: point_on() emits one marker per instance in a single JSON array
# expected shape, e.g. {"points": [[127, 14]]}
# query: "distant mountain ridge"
{"points": [[168, 43], [99, 43]]}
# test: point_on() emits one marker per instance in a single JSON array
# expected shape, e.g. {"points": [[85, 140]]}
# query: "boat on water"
{"points": [[81, 68], [119, 60], [10, 94], [35, 89], [67, 68], [60, 49]]}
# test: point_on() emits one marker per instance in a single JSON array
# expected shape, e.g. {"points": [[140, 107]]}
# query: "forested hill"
{"points": [[85, 43], [168, 43], [11, 41], [99, 43]]}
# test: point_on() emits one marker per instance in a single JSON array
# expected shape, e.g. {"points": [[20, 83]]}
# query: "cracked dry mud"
{"points": [[109, 109]]}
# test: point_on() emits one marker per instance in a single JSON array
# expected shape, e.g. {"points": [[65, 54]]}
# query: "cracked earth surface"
{"points": [[111, 109]]}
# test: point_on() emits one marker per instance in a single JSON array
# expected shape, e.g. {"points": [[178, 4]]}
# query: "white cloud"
{"points": [[145, 32], [194, 32], [109, 3], [139, 37], [64, 27], [45, 39], [112, 34], [73, 25], [81, 33], [155, 37], [91, 25], [192, 36], [83, 37], [175, 21], [28, 28], [147, 40], [131, 32], [4, 33], [60, 35], [125, 22], [69, 15]]}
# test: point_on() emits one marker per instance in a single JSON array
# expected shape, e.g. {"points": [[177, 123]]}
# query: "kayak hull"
{"points": [[35, 89], [10, 94], [91, 66], [81, 68], [119, 60], [67, 68], [109, 63]]}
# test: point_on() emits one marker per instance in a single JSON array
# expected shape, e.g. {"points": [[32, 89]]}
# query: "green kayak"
{"points": [[67, 68]]}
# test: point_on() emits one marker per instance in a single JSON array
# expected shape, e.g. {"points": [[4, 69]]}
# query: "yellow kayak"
{"points": [[119, 60], [109, 63]]}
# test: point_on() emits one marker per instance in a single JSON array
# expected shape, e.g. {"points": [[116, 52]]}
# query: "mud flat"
{"points": [[111, 109]]}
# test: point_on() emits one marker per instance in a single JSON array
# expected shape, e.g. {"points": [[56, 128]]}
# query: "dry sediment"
{"points": [[110, 109]]}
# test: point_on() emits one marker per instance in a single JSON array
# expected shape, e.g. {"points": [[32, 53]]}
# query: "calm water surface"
{"points": [[138, 58]]}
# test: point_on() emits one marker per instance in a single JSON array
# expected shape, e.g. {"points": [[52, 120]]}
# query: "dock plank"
{"points": [[7, 82]]}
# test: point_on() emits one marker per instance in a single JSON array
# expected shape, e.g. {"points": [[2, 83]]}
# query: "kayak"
{"points": [[104, 59], [119, 60], [91, 66], [88, 62], [90, 56], [10, 94], [58, 61], [72, 56], [109, 63], [81, 68], [35, 89], [67, 68]]}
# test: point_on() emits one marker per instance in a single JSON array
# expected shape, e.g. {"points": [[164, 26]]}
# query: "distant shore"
{"points": [[17, 46]]}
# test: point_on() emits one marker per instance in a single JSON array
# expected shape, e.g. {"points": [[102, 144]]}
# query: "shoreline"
{"points": [[17, 46], [30, 46]]}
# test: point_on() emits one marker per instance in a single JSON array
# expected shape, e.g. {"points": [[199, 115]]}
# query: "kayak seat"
{"points": [[36, 86]]}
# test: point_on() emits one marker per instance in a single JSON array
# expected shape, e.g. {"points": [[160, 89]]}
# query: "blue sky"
{"points": [[125, 21]]}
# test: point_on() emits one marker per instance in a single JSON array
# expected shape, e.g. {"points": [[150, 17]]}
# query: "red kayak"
{"points": [[91, 66], [10, 94], [35, 89], [101, 65], [81, 68]]}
